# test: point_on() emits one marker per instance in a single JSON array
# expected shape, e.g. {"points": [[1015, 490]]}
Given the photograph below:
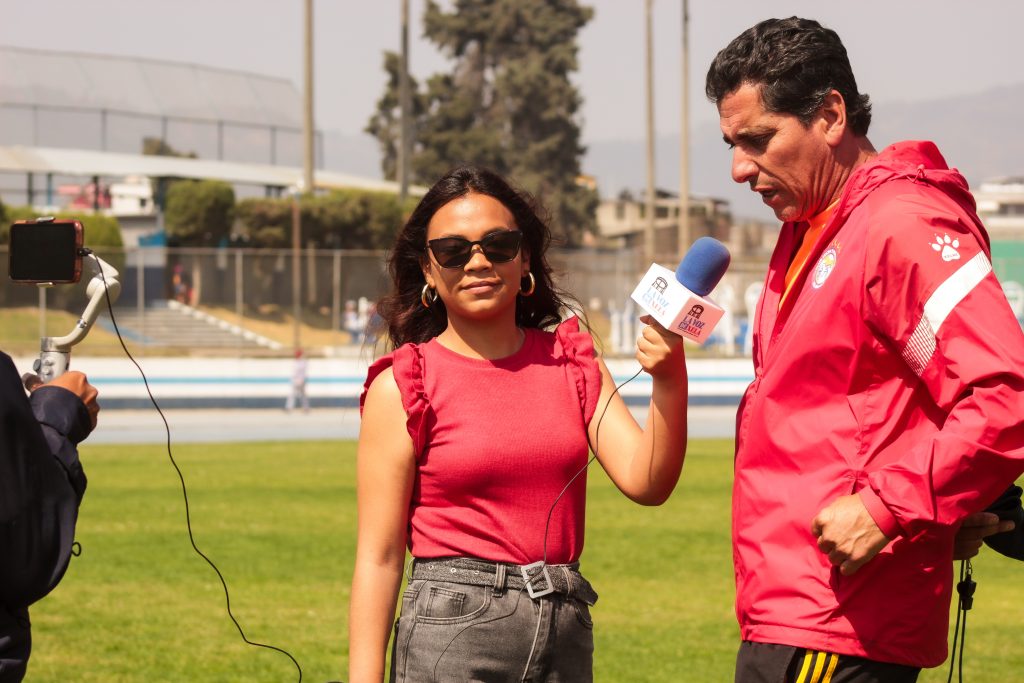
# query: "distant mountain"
{"points": [[979, 134]]}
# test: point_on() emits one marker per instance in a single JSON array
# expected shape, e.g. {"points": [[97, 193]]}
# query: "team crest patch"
{"points": [[826, 264]]}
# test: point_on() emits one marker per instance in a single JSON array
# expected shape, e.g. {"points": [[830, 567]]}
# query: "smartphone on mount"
{"points": [[46, 251]]}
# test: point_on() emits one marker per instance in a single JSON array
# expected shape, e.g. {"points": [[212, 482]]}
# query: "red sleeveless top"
{"points": [[496, 441]]}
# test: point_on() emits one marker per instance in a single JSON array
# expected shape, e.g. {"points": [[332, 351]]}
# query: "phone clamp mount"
{"points": [[55, 352]]}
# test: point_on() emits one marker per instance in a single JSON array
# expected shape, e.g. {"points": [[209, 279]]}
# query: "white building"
{"points": [[1001, 208]]}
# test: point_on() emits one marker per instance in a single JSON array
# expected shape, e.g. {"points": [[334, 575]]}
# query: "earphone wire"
{"points": [[597, 439], [181, 477], [547, 524]]}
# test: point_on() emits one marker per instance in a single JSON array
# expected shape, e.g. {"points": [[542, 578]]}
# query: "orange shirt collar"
{"points": [[815, 226]]}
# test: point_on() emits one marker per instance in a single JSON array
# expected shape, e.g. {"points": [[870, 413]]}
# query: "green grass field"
{"points": [[19, 331], [279, 520]]}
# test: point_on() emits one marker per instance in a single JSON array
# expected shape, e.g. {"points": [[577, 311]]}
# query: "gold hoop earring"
{"points": [[533, 285], [427, 296]]}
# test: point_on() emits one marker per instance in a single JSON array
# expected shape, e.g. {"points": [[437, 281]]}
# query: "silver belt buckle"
{"points": [[526, 570]]}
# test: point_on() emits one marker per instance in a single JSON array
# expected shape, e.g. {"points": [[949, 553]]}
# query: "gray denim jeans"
{"points": [[461, 630]]}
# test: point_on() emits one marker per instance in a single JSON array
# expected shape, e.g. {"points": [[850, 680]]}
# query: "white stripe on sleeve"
{"points": [[940, 304]]}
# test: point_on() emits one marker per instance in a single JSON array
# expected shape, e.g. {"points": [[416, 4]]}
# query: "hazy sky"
{"points": [[900, 49]]}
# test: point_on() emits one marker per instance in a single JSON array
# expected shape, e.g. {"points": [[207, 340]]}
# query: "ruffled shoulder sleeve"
{"points": [[578, 348], [406, 363]]}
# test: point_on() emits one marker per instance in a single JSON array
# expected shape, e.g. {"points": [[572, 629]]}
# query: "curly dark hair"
{"points": [[402, 312], [797, 62]]}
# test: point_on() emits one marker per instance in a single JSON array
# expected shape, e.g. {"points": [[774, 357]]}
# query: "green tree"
{"points": [[386, 122], [352, 219], [153, 146], [159, 147], [101, 231], [265, 223], [199, 213], [342, 219], [508, 103]]}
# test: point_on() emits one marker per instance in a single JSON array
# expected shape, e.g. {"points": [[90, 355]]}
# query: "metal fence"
{"points": [[247, 294], [239, 301]]}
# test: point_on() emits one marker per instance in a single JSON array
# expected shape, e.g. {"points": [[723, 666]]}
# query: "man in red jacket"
{"points": [[888, 399]]}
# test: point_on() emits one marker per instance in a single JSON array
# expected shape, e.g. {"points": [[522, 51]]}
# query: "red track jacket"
{"points": [[895, 370]]}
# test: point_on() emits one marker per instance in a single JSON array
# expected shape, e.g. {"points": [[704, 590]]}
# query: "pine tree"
{"points": [[386, 122], [507, 104]]}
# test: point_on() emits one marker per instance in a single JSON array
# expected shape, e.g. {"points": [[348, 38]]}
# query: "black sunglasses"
{"points": [[455, 252]]}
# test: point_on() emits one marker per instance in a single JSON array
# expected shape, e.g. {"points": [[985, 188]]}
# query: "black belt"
{"points": [[537, 578]]}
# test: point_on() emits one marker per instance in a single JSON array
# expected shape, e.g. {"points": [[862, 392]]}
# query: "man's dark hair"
{"points": [[796, 62]]}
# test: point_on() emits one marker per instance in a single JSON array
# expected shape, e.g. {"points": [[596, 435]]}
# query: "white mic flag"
{"points": [[678, 308]]}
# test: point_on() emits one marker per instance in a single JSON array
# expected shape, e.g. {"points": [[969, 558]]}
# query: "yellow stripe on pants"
{"points": [[802, 676], [832, 662], [819, 665], [814, 664]]}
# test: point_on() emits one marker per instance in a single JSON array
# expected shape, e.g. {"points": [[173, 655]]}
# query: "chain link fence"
{"points": [[239, 301], [227, 301]]}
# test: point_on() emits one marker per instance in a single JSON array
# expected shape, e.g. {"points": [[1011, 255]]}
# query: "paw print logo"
{"points": [[947, 247]]}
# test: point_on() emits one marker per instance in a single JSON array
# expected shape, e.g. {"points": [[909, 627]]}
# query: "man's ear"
{"points": [[833, 118]]}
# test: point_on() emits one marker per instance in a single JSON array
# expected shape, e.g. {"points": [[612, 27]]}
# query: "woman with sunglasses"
{"points": [[474, 445]]}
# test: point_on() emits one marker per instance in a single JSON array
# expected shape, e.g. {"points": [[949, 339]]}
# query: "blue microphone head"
{"points": [[703, 266]]}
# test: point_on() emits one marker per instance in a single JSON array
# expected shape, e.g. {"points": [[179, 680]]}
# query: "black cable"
{"points": [[956, 628], [184, 492], [963, 639], [497, 617], [597, 438], [540, 572], [965, 588], [547, 525]]}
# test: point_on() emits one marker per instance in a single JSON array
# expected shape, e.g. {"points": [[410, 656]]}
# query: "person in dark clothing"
{"points": [[41, 487], [1000, 526], [1008, 508]]}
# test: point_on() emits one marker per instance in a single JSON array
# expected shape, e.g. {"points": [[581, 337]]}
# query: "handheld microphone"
{"points": [[679, 303]]}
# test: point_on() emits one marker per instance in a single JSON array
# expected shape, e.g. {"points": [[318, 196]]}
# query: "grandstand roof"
{"points": [[32, 77], [77, 162]]}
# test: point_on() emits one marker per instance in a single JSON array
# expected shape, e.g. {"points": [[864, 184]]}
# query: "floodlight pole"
{"points": [[308, 132], [307, 184], [649, 225], [404, 139], [684, 238], [296, 193]]}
